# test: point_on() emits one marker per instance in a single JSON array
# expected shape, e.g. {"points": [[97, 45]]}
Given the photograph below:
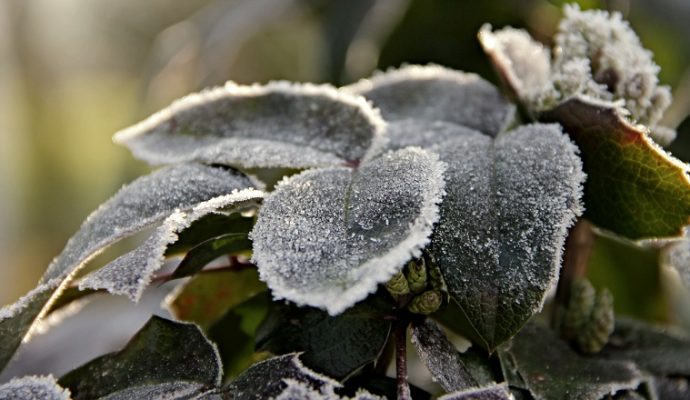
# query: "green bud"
{"points": [[397, 285], [426, 303], [594, 335], [416, 275], [579, 309]]}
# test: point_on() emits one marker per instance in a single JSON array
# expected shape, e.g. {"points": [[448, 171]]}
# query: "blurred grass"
{"points": [[72, 72]]}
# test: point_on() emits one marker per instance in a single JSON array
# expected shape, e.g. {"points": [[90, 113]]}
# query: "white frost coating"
{"points": [[131, 273], [327, 238], [491, 392], [436, 93], [504, 222], [161, 391], [423, 133], [297, 390], [280, 124], [25, 301], [33, 388]]}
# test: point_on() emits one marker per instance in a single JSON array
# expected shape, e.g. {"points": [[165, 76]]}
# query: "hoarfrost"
{"points": [[326, 238], [504, 221], [296, 390], [136, 206], [33, 388], [435, 93], [163, 391], [131, 273], [280, 124], [423, 133], [491, 392]]}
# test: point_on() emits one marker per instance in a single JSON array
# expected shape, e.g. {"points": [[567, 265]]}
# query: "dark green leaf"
{"points": [[205, 252], [162, 351], [162, 391], [336, 346], [380, 385], [491, 392], [206, 297], [503, 224], [440, 357], [208, 227], [33, 388], [540, 362]]}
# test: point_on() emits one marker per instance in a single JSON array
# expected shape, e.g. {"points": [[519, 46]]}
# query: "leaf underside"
{"points": [[277, 125], [503, 224], [326, 238]]}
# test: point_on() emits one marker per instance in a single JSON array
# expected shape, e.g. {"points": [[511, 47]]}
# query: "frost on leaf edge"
{"points": [[47, 382], [395, 258], [233, 89]]}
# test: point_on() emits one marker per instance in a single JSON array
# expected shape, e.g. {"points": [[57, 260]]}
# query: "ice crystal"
{"points": [[33, 388]]}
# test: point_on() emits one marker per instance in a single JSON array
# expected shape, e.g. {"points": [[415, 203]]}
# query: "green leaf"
{"points": [[169, 391], [658, 350], [440, 357], [206, 297], [162, 351], [205, 252], [434, 93], [277, 125], [146, 201], [328, 237], [537, 360], [335, 346], [634, 188], [235, 334], [207, 227], [34, 388], [491, 392], [503, 224]]}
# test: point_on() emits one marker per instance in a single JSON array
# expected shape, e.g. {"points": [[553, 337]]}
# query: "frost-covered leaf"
{"points": [[492, 392], [131, 273], [503, 224], [336, 346], [142, 203], [33, 388], [277, 125], [270, 378], [634, 188], [298, 391], [550, 369], [440, 357], [206, 297], [161, 391], [162, 351], [205, 252], [677, 256], [327, 238], [423, 133], [435, 93], [659, 351]]}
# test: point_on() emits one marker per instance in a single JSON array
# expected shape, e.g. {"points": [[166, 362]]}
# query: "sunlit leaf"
{"points": [[34, 388], [162, 351], [435, 93], [328, 237], [336, 346], [634, 188], [440, 357], [503, 224], [206, 297], [550, 369], [277, 125], [144, 202]]}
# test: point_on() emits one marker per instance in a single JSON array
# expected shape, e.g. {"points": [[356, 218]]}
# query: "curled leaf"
{"points": [[503, 224], [327, 238], [277, 125], [434, 93]]}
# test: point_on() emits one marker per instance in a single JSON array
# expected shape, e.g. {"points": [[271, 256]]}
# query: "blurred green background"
{"points": [[72, 72]]}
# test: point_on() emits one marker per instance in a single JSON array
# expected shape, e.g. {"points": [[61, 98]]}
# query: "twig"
{"points": [[401, 359]]}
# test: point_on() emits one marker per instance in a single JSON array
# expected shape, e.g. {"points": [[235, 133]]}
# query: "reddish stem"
{"points": [[401, 359]]}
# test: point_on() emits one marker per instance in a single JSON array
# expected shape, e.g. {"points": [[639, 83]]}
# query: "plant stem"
{"points": [[401, 359]]}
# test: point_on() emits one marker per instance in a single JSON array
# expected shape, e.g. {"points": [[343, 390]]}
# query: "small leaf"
{"points": [[491, 392], [267, 379], [163, 391], [327, 238], [440, 357], [33, 388], [131, 273], [550, 369], [208, 227], [634, 188], [336, 346], [205, 252], [503, 224], [278, 125], [206, 297], [434, 93], [142, 203], [162, 351]]}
